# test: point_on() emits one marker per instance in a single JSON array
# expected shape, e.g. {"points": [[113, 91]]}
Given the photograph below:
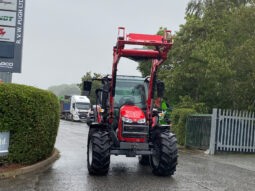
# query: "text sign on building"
{"points": [[11, 35], [7, 18], [10, 5], [7, 34]]}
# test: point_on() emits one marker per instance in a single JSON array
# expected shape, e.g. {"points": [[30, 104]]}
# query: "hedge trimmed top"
{"points": [[32, 117]]}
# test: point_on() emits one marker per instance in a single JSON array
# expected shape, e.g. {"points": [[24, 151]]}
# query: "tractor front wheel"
{"points": [[164, 160], [98, 153]]}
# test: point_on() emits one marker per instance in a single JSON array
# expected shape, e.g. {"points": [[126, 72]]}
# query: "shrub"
{"points": [[187, 102], [179, 118], [32, 117]]}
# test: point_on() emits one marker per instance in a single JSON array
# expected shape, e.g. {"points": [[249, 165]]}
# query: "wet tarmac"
{"points": [[195, 171]]}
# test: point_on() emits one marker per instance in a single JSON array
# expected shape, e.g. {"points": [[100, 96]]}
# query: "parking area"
{"points": [[196, 171]]}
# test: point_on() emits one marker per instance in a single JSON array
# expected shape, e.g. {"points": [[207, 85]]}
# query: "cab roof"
{"points": [[130, 77]]}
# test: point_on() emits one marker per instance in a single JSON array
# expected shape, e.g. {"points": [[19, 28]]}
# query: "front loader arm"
{"points": [[153, 77], [116, 58], [162, 45]]}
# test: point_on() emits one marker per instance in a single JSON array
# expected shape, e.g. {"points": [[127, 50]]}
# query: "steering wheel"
{"points": [[126, 100]]}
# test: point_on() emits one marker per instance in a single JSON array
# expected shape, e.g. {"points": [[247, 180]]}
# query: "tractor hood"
{"points": [[132, 112]]}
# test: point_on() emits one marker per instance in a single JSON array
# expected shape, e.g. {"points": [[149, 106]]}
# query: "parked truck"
{"points": [[75, 108]]}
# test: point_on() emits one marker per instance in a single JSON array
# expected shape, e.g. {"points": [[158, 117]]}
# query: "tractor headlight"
{"points": [[127, 120], [141, 121]]}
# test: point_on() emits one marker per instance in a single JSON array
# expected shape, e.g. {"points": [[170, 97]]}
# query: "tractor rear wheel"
{"points": [[164, 161], [98, 152], [144, 160]]}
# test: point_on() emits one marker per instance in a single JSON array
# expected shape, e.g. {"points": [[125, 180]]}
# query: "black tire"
{"points": [[164, 162], [144, 160], [89, 121], [98, 152]]}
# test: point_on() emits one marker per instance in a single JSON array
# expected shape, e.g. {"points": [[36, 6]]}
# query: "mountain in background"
{"points": [[65, 89]]}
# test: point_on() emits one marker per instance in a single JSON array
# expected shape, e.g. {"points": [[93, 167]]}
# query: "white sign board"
{"points": [[7, 18], [10, 5], [7, 34], [4, 143]]}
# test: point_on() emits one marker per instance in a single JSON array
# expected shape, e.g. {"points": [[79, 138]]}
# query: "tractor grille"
{"points": [[134, 130]]}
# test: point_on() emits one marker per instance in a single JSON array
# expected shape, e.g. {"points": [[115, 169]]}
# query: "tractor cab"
{"points": [[130, 91], [130, 108]]}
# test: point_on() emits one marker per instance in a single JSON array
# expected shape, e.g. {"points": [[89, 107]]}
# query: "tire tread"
{"points": [[101, 153]]}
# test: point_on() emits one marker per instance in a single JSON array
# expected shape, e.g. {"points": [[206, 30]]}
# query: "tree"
{"points": [[199, 7], [212, 59], [95, 85]]}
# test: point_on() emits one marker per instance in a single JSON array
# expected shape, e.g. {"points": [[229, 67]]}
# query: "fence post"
{"points": [[213, 132]]}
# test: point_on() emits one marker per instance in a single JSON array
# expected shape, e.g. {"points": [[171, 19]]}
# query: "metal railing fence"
{"points": [[232, 131]]}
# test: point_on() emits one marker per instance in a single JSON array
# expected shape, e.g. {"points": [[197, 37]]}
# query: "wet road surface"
{"points": [[195, 171]]}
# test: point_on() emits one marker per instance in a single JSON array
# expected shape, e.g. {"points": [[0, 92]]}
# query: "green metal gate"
{"points": [[198, 130]]}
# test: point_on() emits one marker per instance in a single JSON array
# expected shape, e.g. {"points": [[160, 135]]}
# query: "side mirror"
{"points": [[86, 87], [74, 105], [99, 96], [160, 89], [102, 97]]}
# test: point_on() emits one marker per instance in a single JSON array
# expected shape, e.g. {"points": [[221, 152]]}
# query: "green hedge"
{"points": [[179, 118], [32, 117]]}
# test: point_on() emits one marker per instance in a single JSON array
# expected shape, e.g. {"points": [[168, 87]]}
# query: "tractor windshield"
{"points": [[130, 92]]}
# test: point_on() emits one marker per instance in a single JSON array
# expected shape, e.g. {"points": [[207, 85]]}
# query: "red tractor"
{"points": [[125, 121]]}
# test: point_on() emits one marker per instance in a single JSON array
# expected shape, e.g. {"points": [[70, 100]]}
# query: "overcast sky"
{"points": [[64, 39]]}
